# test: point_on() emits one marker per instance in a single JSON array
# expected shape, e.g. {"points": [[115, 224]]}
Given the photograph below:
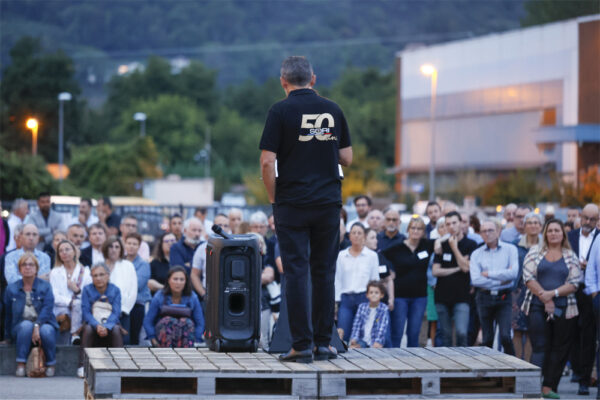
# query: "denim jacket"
{"points": [[153, 314], [90, 295], [14, 303]]}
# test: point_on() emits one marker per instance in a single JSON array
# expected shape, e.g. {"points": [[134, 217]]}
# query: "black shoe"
{"points": [[584, 390], [304, 356], [325, 353]]}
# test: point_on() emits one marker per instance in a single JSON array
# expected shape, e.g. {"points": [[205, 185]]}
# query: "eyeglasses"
{"points": [[415, 228], [28, 264], [392, 219], [584, 218], [169, 241], [487, 231]]}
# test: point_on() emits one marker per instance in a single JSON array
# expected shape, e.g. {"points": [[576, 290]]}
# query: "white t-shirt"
{"points": [[369, 325]]}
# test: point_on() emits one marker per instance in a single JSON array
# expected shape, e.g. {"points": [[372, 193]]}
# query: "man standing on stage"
{"points": [[305, 138]]}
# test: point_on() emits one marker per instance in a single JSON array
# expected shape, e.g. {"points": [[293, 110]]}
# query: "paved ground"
{"points": [[60, 388]]}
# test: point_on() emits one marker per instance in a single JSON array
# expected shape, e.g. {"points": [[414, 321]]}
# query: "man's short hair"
{"points": [[76, 225], [363, 196], [172, 217], [107, 202], [220, 215], [18, 203], [258, 217], [525, 206], [188, 222], [43, 194], [296, 70], [433, 203], [130, 216], [201, 210], [97, 225], [86, 200], [453, 214]]}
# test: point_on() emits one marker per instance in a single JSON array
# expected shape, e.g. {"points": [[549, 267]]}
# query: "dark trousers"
{"points": [[309, 240], [90, 338], [583, 350], [125, 321], [498, 309], [551, 342], [136, 320]]}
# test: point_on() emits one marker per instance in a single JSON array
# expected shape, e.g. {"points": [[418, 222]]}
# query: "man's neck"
{"points": [[45, 213], [492, 245], [588, 232], [391, 234], [25, 249], [291, 88]]}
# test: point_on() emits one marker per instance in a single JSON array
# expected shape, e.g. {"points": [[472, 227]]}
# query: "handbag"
{"points": [[64, 323], [36, 363], [101, 309], [175, 310]]}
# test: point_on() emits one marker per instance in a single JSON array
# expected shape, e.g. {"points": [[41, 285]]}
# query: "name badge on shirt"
{"points": [[447, 257], [423, 254], [382, 269]]}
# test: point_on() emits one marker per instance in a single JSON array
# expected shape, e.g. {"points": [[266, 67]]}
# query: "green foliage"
{"points": [[176, 124], [22, 175], [545, 11], [30, 87], [114, 169]]}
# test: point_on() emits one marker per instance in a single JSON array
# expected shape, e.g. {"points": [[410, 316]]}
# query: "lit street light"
{"points": [[62, 97], [32, 124], [430, 70], [140, 116]]}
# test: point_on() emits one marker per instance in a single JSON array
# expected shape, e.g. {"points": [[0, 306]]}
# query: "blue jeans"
{"points": [[495, 308], [23, 331], [407, 310], [459, 313], [347, 311]]}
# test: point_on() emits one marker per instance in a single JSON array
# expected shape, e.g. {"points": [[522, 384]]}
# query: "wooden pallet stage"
{"points": [[441, 372]]}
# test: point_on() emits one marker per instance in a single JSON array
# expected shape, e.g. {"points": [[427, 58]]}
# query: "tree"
{"points": [[22, 175], [544, 11], [364, 176], [30, 87], [114, 169]]}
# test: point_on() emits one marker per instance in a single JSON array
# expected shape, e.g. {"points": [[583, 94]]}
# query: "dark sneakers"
{"points": [[325, 353], [584, 390], [303, 356]]}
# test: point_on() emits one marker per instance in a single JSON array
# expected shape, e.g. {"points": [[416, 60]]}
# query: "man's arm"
{"points": [[267, 166], [345, 156], [462, 261], [197, 281], [438, 271]]}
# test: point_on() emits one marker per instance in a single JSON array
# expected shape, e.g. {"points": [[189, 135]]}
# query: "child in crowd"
{"points": [[372, 319]]}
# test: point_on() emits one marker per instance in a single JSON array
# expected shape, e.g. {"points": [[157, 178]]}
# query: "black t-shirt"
{"points": [[306, 131], [410, 268], [454, 288], [159, 270]]}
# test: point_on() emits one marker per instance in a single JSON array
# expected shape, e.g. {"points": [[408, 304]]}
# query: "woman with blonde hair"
{"points": [[551, 272], [67, 278], [28, 303]]}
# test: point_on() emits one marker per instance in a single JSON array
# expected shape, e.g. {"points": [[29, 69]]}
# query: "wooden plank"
{"points": [[276, 366], [414, 361], [492, 362], [103, 364], [176, 366], [97, 352], [469, 362], [511, 361], [444, 363], [345, 365], [298, 367], [326, 366], [125, 364], [386, 358], [149, 367]]}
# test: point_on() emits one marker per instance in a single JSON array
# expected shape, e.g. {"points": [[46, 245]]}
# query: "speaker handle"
{"points": [[219, 231]]}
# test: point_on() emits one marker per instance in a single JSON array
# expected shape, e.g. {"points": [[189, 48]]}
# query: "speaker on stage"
{"points": [[233, 271]]}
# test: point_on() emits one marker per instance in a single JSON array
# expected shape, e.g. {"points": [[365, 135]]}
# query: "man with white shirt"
{"points": [[200, 213], [592, 289], [362, 204], [29, 239], [92, 254], [494, 268], [582, 350], [85, 217], [20, 209]]}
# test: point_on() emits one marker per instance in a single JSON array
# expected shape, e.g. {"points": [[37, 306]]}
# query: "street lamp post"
{"points": [[140, 116], [62, 97], [430, 70], [32, 124]]}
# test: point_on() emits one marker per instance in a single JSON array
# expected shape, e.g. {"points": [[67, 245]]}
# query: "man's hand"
{"points": [[102, 331], [546, 296], [391, 304], [453, 242], [485, 274]]}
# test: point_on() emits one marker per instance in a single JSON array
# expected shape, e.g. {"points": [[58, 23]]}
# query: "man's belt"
{"points": [[499, 292]]}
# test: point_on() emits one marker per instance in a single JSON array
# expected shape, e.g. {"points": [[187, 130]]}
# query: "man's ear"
{"points": [[313, 80]]}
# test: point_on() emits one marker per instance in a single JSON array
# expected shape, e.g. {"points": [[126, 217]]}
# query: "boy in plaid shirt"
{"points": [[372, 319]]}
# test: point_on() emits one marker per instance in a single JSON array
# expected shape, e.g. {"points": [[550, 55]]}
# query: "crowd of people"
{"points": [[526, 283]]}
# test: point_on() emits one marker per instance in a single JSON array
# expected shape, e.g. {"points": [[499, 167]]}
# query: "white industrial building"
{"points": [[528, 98]]}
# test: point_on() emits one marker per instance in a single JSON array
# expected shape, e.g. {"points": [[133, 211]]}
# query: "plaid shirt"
{"points": [[530, 265], [380, 325]]}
